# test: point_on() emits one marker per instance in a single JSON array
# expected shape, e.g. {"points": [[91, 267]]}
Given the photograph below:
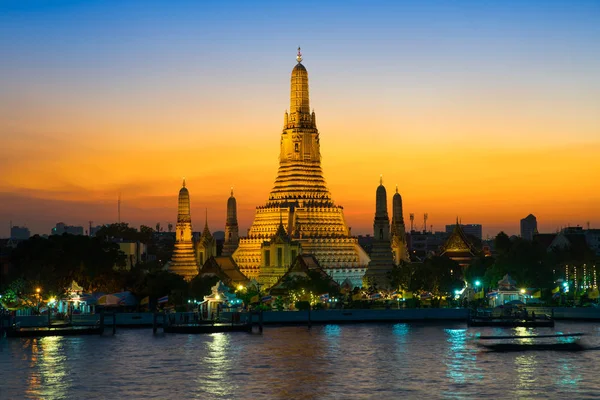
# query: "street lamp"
{"points": [[477, 283]]}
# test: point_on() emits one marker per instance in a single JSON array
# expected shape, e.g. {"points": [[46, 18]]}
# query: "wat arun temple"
{"points": [[300, 204], [299, 217]]}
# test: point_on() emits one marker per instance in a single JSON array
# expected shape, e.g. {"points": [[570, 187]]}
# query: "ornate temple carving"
{"points": [[301, 199], [183, 261]]}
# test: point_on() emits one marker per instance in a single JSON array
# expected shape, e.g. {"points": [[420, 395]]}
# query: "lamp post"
{"points": [[37, 297]]}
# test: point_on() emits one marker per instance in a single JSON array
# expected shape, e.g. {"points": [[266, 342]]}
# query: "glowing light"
{"points": [[37, 290], [52, 300], [240, 287], [218, 297], [477, 283], [522, 291], [565, 284]]}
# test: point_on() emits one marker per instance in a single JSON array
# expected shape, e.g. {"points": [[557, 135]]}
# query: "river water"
{"points": [[382, 361]]}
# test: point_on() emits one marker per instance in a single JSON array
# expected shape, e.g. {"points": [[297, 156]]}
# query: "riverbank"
{"points": [[146, 320]]}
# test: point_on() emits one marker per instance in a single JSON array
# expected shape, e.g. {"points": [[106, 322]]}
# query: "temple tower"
{"points": [[231, 227], [183, 261], [301, 200], [382, 260], [206, 246], [399, 247]]}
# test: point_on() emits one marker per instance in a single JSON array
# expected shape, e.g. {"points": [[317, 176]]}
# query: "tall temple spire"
{"points": [[299, 99], [382, 259], [183, 261], [231, 227], [398, 230]]}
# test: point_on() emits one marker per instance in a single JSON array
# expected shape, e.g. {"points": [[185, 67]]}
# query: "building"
{"points": [[398, 231], [61, 228], [278, 254], [135, 252], [475, 230], [183, 261], [232, 236], [300, 198], [458, 247], [424, 244], [225, 269], [19, 233], [528, 227], [382, 258]]}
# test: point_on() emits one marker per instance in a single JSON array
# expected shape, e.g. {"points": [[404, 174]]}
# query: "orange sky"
{"points": [[471, 123]]}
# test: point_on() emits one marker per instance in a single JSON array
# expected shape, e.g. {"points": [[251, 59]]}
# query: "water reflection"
{"points": [[217, 361], [49, 362], [459, 360], [330, 362]]}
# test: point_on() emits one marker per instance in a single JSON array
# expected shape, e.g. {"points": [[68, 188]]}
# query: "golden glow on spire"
{"points": [[299, 56]]}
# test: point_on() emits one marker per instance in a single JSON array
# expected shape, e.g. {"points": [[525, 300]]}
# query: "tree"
{"points": [[502, 243]]}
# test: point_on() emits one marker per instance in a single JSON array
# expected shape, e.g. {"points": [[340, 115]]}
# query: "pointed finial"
{"points": [[232, 191], [206, 217], [184, 181], [396, 188], [299, 56], [381, 179]]}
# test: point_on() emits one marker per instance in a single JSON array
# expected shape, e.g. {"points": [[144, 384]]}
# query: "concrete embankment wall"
{"points": [[352, 316], [123, 320], [319, 316]]}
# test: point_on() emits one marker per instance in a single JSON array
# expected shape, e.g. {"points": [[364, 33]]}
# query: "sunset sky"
{"points": [[484, 110]]}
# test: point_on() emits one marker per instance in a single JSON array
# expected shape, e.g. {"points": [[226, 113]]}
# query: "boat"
{"points": [[508, 319], [518, 344], [511, 322]]}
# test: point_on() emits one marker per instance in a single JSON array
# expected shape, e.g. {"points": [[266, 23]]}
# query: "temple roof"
{"points": [[304, 265], [458, 242], [224, 268]]}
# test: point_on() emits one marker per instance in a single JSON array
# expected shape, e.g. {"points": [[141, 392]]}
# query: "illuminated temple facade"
{"points": [[311, 223], [183, 261]]}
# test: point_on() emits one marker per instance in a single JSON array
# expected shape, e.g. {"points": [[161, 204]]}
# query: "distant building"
{"points": [[61, 228], [469, 229], [528, 227], [94, 230], [19, 233], [591, 237], [135, 252], [424, 244]]}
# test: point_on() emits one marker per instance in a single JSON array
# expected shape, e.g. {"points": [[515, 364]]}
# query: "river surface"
{"points": [[378, 361]]}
